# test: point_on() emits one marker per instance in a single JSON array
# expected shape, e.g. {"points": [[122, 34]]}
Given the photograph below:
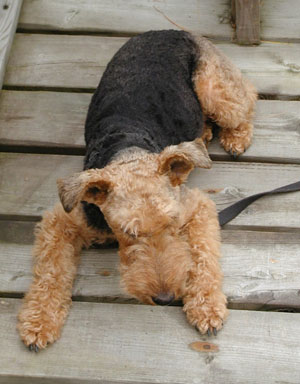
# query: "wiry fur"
{"points": [[169, 236], [59, 240], [226, 97]]}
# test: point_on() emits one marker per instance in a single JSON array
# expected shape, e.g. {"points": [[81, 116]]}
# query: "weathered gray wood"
{"points": [[28, 187], [9, 14], [56, 119], [79, 61], [33, 179], [246, 16], [279, 19], [261, 269], [113, 343], [58, 60], [44, 119], [210, 18]]}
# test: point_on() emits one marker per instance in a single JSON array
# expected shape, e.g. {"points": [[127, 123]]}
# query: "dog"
{"points": [[146, 130]]}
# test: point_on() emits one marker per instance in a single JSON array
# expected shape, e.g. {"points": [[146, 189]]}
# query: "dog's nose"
{"points": [[164, 298]]}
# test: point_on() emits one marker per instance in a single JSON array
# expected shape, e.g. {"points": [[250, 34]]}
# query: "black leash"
{"points": [[232, 211]]}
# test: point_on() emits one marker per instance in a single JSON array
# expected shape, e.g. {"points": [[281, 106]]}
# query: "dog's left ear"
{"points": [[88, 186], [179, 160]]}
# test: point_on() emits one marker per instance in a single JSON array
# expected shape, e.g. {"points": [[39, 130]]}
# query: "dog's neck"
{"points": [[129, 154], [114, 143]]}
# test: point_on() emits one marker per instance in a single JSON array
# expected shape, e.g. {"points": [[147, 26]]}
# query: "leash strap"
{"points": [[233, 210]]}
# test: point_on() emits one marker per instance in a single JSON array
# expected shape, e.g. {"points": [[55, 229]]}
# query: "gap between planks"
{"points": [[52, 150], [231, 227], [27, 88]]}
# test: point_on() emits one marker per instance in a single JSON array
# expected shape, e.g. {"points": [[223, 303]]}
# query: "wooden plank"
{"points": [[246, 16], [261, 269], [210, 18], [9, 14], [61, 61], [33, 178], [56, 119], [52, 57], [279, 19], [273, 68], [145, 344], [28, 187], [43, 119]]}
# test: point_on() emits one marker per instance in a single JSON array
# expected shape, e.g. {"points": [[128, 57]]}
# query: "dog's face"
{"points": [[141, 203]]}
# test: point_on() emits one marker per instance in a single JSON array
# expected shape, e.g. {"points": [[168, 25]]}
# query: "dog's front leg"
{"points": [[56, 253], [204, 301]]}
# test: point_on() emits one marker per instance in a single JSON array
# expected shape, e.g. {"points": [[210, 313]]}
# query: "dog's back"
{"points": [[145, 98]]}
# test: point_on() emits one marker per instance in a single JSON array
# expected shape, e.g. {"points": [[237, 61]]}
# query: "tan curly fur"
{"points": [[226, 97], [169, 236], [59, 240]]}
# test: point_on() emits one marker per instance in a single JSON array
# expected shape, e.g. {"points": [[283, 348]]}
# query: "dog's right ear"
{"points": [[177, 161], [87, 185]]}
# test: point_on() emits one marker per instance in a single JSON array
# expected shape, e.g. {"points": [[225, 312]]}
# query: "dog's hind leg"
{"points": [[225, 96], [59, 239]]}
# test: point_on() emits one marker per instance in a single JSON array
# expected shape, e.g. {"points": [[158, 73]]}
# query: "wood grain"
{"points": [[279, 19], [210, 18], [62, 61], [43, 119], [261, 269], [56, 119], [115, 343], [58, 60], [246, 16], [9, 14]]}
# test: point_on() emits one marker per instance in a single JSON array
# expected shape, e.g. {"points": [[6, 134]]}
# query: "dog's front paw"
{"points": [[206, 315], [38, 328], [236, 141]]}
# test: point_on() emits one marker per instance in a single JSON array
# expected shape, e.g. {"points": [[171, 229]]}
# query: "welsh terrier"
{"points": [[145, 132]]}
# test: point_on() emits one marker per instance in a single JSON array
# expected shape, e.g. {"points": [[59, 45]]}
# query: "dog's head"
{"points": [[141, 203]]}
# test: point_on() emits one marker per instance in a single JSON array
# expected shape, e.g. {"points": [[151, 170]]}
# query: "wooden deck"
{"points": [[59, 52]]}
